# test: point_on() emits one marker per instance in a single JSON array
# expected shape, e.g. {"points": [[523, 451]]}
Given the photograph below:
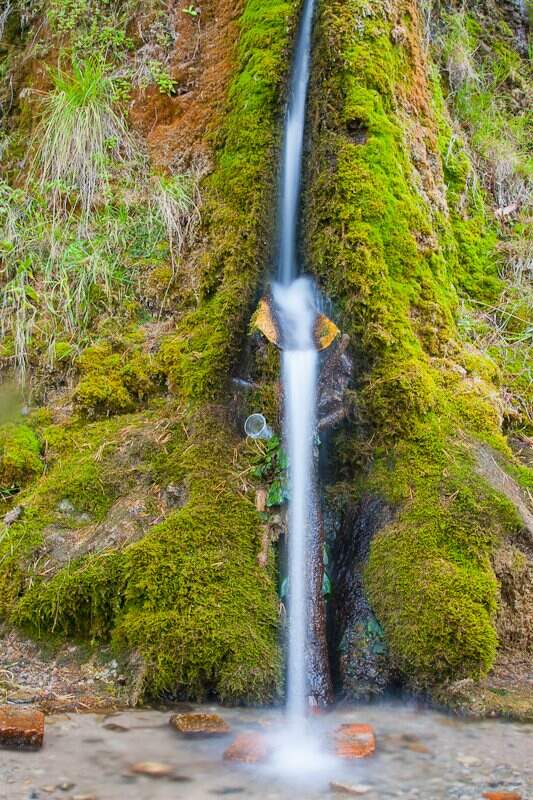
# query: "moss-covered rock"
{"points": [[199, 355], [189, 597], [396, 236]]}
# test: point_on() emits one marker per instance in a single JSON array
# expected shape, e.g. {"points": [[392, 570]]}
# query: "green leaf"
{"points": [[276, 494]]}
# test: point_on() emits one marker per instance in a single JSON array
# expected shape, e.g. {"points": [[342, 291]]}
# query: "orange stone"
{"points": [[502, 796], [354, 741], [248, 748], [21, 728], [199, 724]]}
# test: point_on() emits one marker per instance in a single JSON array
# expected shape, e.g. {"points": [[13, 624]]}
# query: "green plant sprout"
{"points": [[192, 11]]}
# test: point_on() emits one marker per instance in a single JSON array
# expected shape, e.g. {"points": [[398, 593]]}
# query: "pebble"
{"points": [[114, 726], [154, 769], [84, 797], [354, 741], [469, 761], [347, 788], [248, 748]]}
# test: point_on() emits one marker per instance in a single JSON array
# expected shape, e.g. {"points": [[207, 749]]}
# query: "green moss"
{"points": [[199, 355], [441, 596], [79, 601], [78, 470], [394, 262], [113, 381], [19, 456], [189, 596]]}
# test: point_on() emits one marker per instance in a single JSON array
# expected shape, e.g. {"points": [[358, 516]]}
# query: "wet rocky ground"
{"points": [[420, 754]]}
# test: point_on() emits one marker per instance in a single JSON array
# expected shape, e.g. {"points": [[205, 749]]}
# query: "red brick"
{"points": [[502, 796], [21, 728], [354, 741], [249, 748]]}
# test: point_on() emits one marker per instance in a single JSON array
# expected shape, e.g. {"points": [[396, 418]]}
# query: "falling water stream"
{"points": [[295, 303]]}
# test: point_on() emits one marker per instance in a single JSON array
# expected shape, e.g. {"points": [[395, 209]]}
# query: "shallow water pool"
{"points": [[420, 754]]}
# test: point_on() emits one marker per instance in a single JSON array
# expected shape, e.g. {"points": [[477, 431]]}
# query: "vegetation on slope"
{"points": [[397, 256], [85, 235]]}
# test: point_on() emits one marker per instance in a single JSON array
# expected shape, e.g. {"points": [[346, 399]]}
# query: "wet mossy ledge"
{"points": [[189, 597], [399, 239]]}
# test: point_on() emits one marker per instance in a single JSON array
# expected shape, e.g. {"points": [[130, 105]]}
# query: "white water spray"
{"points": [[299, 375]]}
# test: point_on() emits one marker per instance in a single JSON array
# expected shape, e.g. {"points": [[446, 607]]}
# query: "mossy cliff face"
{"points": [[398, 240], [133, 517], [143, 530], [237, 212]]}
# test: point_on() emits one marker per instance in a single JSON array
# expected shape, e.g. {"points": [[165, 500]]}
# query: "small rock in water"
{"points": [[114, 726], [248, 748], [84, 797], [469, 761], [354, 741], [199, 724], [65, 786], [154, 769], [21, 728], [414, 744], [348, 788], [502, 796]]}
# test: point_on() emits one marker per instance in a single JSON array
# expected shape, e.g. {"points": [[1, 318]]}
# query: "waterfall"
{"points": [[291, 157], [294, 299], [299, 377]]}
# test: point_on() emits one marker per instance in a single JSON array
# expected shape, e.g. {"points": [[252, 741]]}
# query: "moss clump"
{"points": [[441, 596], [113, 381], [79, 470], [189, 596], [197, 606], [19, 456]]}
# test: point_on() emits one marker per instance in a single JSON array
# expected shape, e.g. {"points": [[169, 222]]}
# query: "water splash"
{"points": [[297, 312]]}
